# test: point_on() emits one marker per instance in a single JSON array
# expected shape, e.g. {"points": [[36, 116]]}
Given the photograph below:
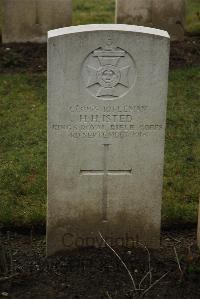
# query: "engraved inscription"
{"points": [[107, 121], [109, 72], [105, 172]]}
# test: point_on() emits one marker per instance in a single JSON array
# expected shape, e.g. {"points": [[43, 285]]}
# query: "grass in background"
{"points": [[182, 153], [23, 149], [1, 15], [93, 11], [193, 16]]}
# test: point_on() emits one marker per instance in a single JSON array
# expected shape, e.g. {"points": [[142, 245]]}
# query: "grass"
{"points": [[193, 16], [1, 14], [182, 156], [23, 148], [93, 11]]}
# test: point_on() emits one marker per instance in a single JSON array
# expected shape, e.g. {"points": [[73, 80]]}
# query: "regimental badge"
{"points": [[109, 72]]}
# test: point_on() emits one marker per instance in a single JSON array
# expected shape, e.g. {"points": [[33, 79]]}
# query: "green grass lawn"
{"points": [[93, 11], [193, 16], [23, 148], [182, 153], [1, 14]]}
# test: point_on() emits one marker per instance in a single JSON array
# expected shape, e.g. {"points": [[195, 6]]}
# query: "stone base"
{"points": [[120, 230]]}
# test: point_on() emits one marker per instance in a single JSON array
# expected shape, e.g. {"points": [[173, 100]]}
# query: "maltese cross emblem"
{"points": [[108, 72]]}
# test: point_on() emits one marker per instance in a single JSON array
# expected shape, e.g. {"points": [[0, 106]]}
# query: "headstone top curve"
{"points": [[107, 27]]}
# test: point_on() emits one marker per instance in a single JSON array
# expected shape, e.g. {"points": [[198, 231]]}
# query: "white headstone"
{"points": [[168, 15], [29, 20], [107, 95]]}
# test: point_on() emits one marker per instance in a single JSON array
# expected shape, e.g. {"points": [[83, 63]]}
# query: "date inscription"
{"points": [[106, 122]]}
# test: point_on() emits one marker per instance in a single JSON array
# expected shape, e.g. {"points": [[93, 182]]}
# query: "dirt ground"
{"points": [[98, 273], [32, 57]]}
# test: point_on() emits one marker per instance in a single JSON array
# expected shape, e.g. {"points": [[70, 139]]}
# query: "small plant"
{"points": [[138, 289]]}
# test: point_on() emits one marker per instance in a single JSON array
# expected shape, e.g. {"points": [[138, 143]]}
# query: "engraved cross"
{"points": [[105, 172]]}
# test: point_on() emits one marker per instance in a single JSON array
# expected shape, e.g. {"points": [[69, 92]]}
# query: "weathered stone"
{"points": [[106, 133], [167, 15], [29, 20], [136, 12]]}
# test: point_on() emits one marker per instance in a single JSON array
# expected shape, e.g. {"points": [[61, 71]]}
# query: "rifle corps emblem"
{"points": [[109, 72]]}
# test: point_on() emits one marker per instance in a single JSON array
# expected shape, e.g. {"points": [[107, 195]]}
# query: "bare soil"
{"points": [[98, 273], [33, 57]]}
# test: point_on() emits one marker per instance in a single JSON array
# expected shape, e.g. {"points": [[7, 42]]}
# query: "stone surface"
{"points": [[106, 133], [167, 15], [29, 20]]}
